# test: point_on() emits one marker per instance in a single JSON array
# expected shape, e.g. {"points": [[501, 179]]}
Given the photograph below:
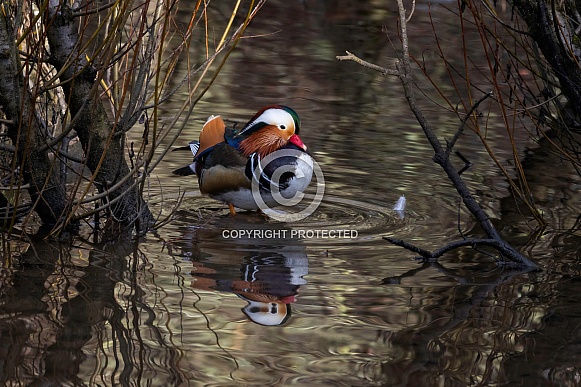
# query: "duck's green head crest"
{"points": [[280, 116], [295, 117]]}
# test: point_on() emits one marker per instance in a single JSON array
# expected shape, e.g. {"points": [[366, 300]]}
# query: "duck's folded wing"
{"points": [[219, 179], [186, 171]]}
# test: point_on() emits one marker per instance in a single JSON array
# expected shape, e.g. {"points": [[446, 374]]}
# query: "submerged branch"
{"points": [[500, 245]]}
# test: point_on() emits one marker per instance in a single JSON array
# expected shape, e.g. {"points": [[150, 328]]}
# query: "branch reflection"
{"points": [[63, 312]]}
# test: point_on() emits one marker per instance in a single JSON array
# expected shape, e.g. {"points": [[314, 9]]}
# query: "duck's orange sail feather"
{"points": [[212, 133]]}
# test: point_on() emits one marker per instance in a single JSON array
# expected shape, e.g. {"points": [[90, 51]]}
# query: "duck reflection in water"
{"points": [[267, 280]]}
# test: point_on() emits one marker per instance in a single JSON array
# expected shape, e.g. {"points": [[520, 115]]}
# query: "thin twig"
{"points": [[364, 63], [412, 11], [460, 130]]}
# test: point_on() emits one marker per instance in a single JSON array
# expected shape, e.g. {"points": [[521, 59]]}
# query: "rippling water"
{"points": [[212, 299]]}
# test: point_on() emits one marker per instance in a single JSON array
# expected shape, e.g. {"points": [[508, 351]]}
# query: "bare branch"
{"points": [[441, 157]]}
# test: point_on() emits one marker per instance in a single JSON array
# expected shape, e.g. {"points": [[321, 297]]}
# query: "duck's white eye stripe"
{"points": [[277, 117]]}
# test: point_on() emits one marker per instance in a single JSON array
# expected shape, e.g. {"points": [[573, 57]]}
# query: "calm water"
{"points": [[191, 304]]}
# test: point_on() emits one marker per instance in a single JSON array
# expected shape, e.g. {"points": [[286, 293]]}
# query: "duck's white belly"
{"points": [[240, 199]]}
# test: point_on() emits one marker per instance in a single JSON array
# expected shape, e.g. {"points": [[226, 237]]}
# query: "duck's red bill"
{"points": [[295, 139]]}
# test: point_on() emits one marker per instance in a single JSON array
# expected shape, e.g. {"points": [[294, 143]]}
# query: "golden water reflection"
{"points": [[122, 314]]}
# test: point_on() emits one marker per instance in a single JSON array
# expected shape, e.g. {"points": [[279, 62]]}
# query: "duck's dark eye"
{"points": [[273, 308], [282, 127]]}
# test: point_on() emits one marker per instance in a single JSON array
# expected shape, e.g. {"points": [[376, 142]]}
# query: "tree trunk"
{"points": [[102, 141], [548, 25], [38, 171]]}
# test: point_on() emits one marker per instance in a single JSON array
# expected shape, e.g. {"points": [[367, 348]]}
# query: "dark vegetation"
{"points": [[75, 79], [534, 78]]}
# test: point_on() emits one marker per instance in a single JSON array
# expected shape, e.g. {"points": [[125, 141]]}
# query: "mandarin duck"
{"points": [[227, 162]]}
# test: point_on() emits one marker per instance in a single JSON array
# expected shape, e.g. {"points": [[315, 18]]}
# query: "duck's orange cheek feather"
{"points": [[265, 141], [288, 133]]}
